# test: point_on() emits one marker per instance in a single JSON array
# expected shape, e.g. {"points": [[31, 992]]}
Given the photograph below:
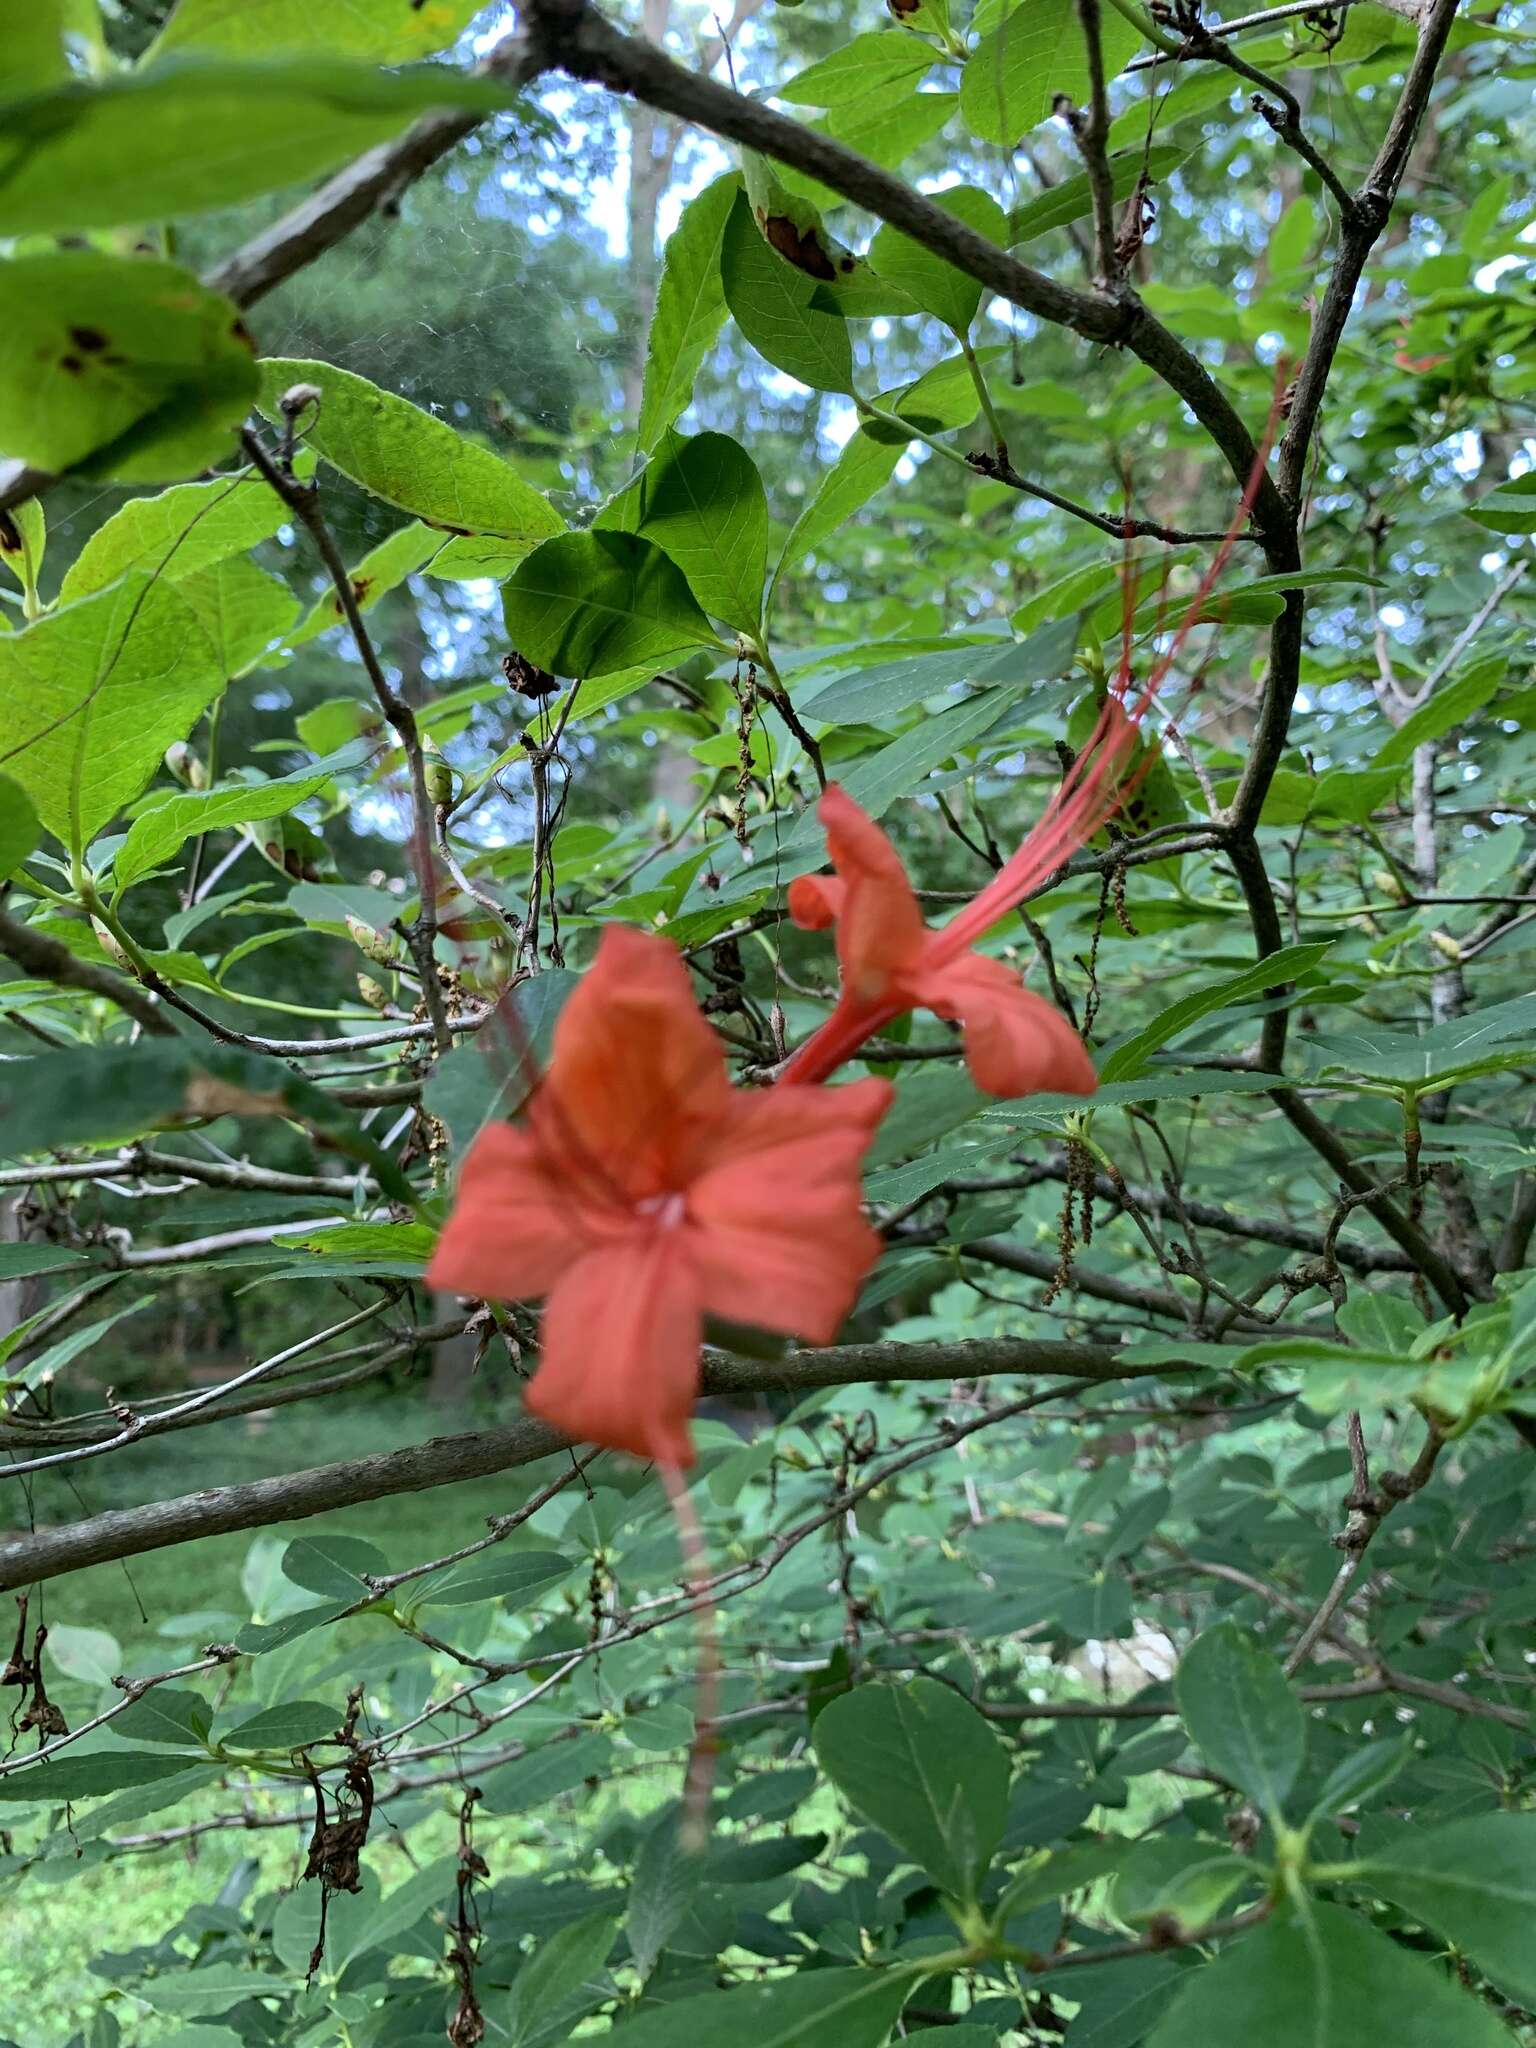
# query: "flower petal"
{"points": [[619, 1363], [515, 1227], [637, 1079], [879, 925], [1016, 1043], [816, 901], [778, 1237]]}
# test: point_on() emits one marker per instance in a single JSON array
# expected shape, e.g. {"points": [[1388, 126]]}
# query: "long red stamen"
{"points": [[1084, 802], [699, 1779], [1091, 792]]}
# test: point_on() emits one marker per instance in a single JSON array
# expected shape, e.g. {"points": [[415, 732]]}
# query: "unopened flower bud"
{"points": [[111, 945], [373, 944], [188, 770], [440, 778], [299, 398], [371, 993], [1446, 946]]}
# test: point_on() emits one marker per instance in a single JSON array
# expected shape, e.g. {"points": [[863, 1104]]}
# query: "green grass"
{"points": [[55, 1925]]}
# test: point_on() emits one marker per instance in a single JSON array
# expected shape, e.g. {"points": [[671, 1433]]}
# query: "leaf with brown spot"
{"points": [[163, 401], [803, 250]]}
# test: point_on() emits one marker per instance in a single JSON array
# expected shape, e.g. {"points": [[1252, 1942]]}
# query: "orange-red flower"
{"points": [[1016, 1043], [642, 1192]]}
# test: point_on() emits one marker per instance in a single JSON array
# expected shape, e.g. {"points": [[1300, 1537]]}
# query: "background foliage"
{"points": [[1127, 1628]]}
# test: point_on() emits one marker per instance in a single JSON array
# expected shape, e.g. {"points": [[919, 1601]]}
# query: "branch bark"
{"points": [[50, 960], [128, 1532], [572, 36]]}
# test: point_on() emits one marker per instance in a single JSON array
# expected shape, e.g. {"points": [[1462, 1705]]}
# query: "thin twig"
{"points": [[49, 959], [303, 500]]}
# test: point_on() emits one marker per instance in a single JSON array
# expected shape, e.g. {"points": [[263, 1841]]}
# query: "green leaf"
{"points": [[865, 466], [258, 1637], [1462, 1045], [517, 1576], [590, 603], [156, 835], [123, 1808], [21, 1261], [873, 695], [381, 570], [103, 688], [33, 52], [49, 1363], [406, 457], [89, 1654], [1118, 2002], [942, 398], [556, 1971], [334, 1565], [870, 63], [666, 1877], [366, 1923], [810, 2009], [1473, 1881], [20, 828], [241, 608], [1014, 74], [1509, 509], [1289, 964], [1071, 198], [358, 1249], [176, 532], [1327, 1982], [1361, 1775], [738, 1862], [121, 367], [24, 543], [383, 34], [1178, 1883], [167, 1714], [878, 779], [76, 1097], [1053, 1874], [88, 1777], [1147, 796], [1241, 1714], [702, 502], [288, 1726], [661, 1725], [490, 1076], [1292, 236], [204, 132], [938, 287], [921, 1764], [690, 307], [206, 1992], [1451, 705], [887, 127], [777, 308], [545, 1773], [1348, 793]]}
